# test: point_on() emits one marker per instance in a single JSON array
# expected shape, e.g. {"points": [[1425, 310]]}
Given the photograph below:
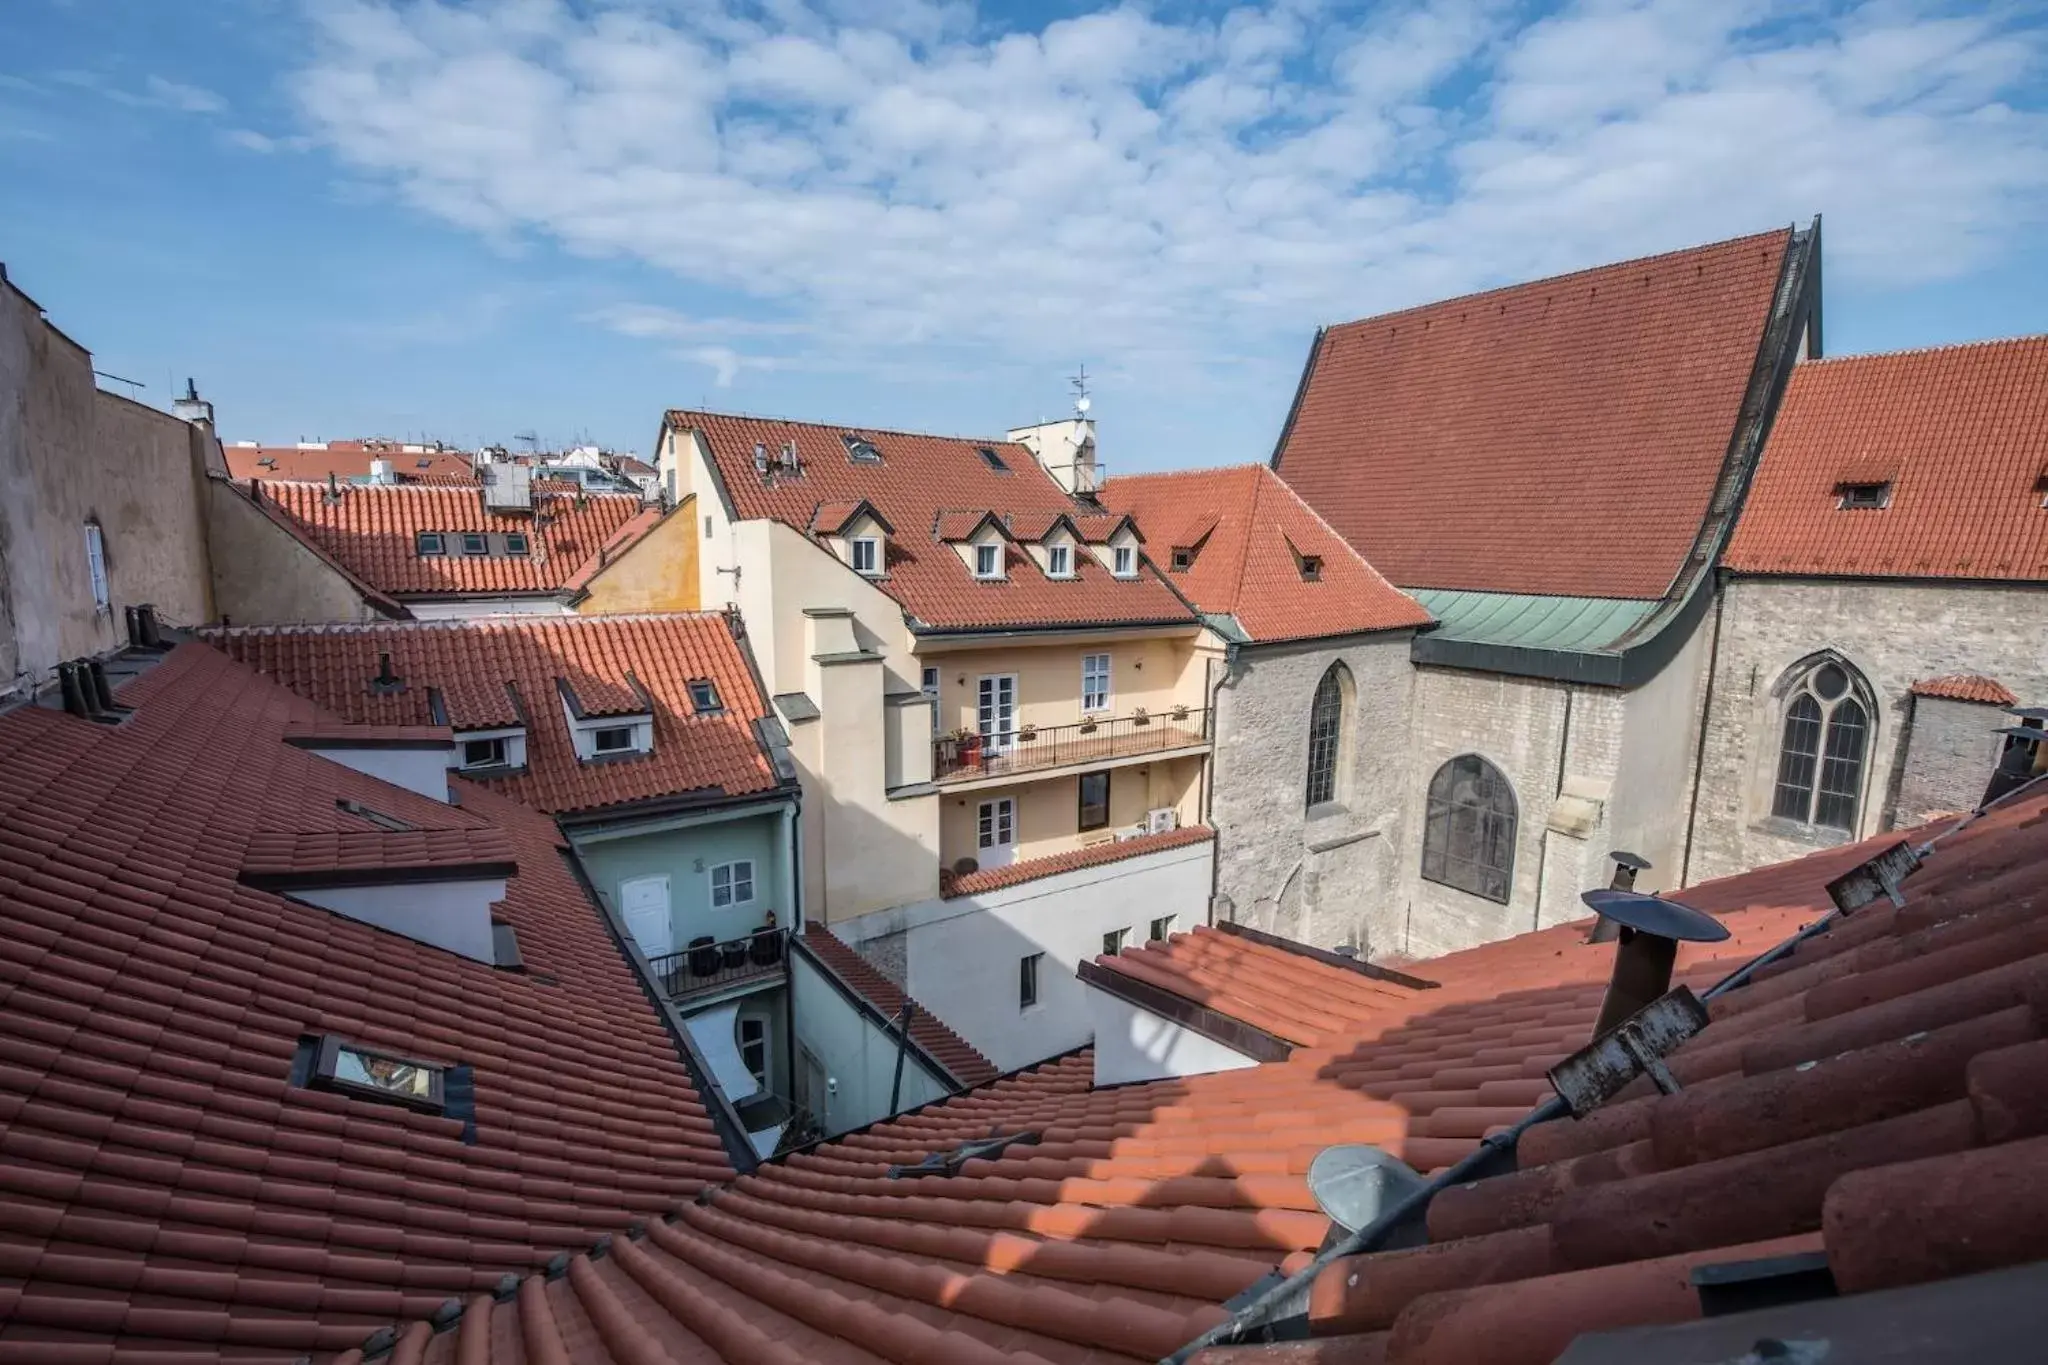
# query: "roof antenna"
{"points": [[1082, 402]]}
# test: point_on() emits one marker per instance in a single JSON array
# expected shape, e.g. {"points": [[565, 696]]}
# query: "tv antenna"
{"points": [[532, 439], [1081, 400]]}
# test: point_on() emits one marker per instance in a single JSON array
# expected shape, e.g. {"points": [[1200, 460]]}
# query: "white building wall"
{"points": [[859, 1057], [959, 958], [1134, 1044], [423, 770]]}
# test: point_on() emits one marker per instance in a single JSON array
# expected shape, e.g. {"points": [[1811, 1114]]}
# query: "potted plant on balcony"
{"points": [[1087, 725], [1139, 717], [1180, 711], [1026, 733]]}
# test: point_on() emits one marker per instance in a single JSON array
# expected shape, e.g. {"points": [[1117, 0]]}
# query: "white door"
{"points": [[996, 710], [996, 833], [644, 903]]}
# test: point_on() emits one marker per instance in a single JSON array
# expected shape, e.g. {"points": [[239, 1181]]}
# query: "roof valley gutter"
{"points": [[1289, 1298]]}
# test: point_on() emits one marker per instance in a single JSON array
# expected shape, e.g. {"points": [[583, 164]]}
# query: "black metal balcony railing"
{"points": [[709, 965], [1029, 748]]}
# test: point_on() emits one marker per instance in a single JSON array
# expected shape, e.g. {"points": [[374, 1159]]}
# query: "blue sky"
{"points": [[354, 217]]}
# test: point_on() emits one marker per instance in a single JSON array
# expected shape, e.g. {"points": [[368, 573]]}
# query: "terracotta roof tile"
{"points": [[1487, 442], [1873, 1094], [952, 1051], [1965, 687], [372, 530], [478, 666], [167, 1188], [952, 884], [1960, 433], [918, 478], [1251, 529], [348, 460]]}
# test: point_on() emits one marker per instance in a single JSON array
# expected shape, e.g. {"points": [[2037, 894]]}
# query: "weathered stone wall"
{"points": [[1951, 749], [1894, 634], [1326, 877]]}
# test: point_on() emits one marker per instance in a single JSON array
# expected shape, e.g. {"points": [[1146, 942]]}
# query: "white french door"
{"points": [[996, 710], [995, 833]]}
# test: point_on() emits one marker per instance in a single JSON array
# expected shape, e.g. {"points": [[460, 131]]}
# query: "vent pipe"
{"points": [[102, 691], [386, 682], [1650, 930], [1626, 865], [2024, 756], [73, 691]]}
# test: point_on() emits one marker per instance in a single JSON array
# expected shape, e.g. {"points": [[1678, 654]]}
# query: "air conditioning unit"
{"points": [[1161, 820], [1130, 832]]}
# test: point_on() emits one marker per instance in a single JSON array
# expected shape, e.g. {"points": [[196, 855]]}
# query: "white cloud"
{"points": [[187, 99], [263, 144], [1125, 186]]}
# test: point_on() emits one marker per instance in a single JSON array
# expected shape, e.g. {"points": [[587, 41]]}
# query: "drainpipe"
{"points": [[1224, 676]]}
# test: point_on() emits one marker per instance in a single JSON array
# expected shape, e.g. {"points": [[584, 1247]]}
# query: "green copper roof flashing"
{"points": [[1612, 642]]}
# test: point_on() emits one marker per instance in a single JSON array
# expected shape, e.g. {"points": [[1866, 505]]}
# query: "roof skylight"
{"points": [[374, 1075], [991, 459], [861, 450]]}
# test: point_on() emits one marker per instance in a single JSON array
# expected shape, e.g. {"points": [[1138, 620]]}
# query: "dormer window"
{"points": [[860, 450], [430, 543], [704, 696], [988, 561], [1124, 561], [1059, 561], [475, 543], [1311, 568], [866, 555], [612, 739], [491, 753], [1860, 497], [483, 753], [1183, 558]]}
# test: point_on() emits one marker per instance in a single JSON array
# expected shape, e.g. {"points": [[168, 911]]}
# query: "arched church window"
{"points": [[1326, 733], [1468, 836], [1822, 750]]}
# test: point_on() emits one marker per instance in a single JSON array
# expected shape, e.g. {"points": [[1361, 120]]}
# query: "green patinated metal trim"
{"points": [[1526, 621]]}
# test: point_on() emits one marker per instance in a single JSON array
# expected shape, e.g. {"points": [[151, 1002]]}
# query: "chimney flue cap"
{"points": [[1647, 914], [1634, 862]]}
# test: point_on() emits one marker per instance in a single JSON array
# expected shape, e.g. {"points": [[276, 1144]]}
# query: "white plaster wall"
{"points": [[1133, 1044], [961, 956], [472, 608], [855, 1052], [424, 771], [451, 915]]}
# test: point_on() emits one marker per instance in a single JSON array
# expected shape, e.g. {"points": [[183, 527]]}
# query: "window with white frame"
{"points": [[752, 1036], [96, 565], [613, 739], [928, 684], [484, 753], [1113, 941], [988, 561], [1059, 561], [1123, 561], [1162, 928], [1094, 682], [732, 884], [867, 555]]}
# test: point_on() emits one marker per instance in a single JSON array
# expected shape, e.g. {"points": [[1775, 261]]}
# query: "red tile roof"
{"points": [[953, 885], [1965, 687], [951, 1051], [1873, 1094], [349, 460], [371, 530], [918, 478], [299, 852], [1251, 529], [1960, 433], [470, 663], [1562, 437], [165, 1185], [381, 602]]}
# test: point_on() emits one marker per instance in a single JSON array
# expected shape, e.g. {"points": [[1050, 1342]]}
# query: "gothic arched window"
{"points": [[1326, 734], [1468, 837], [1821, 750]]}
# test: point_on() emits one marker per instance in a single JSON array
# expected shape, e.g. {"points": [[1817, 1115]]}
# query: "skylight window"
{"points": [[866, 552], [475, 543], [991, 459], [988, 561], [267, 462], [423, 464], [704, 696], [860, 450], [430, 543], [375, 817], [1865, 496], [516, 544], [372, 1074]]}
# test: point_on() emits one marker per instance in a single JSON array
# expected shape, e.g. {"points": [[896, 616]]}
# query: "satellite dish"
{"points": [[1356, 1184], [1081, 404]]}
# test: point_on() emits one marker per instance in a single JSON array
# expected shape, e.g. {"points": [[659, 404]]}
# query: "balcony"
{"points": [[1089, 743], [709, 967]]}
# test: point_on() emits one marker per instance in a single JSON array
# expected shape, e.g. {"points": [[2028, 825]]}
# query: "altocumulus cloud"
{"points": [[1176, 190]]}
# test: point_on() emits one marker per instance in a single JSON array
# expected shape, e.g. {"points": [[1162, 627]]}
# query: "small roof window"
{"points": [[860, 450], [991, 459], [1311, 568], [1059, 561], [704, 696], [613, 739], [374, 816], [988, 561], [485, 753], [1183, 557], [430, 543], [865, 554], [371, 1073], [475, 543], [267, 462], [1123, 561], [516, 544], [1864, 496]]}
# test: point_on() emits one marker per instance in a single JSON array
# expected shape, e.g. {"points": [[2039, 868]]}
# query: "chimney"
{"points": [[1626, 865], [73, 691], [2024, 757], [386, 683], [191, 407], [333, 489], [1650, 930], [102, 690]]}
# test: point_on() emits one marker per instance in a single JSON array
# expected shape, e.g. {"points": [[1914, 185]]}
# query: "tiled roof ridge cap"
{"points": [[455, 623], [1940, 348], [1566, 278], [415, 486], [1195, 473], [838, 427]]}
